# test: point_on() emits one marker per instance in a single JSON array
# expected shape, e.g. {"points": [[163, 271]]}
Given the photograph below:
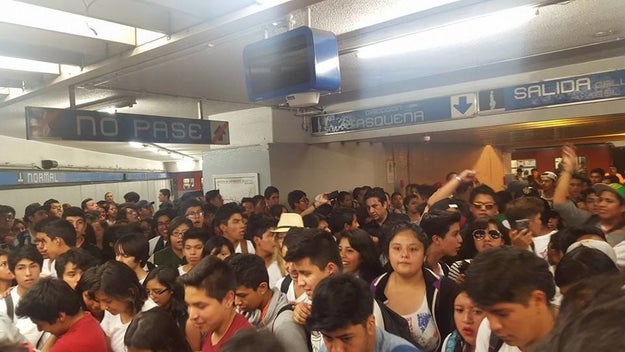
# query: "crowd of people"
{"points": [[454, 267]]}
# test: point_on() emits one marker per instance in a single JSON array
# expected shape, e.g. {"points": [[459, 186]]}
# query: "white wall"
{"points": [[237, 160], [20, 153], [20, 198], [327, 167]]}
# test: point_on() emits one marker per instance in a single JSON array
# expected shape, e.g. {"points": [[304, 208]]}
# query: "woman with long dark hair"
{"points": [[359, 254]]}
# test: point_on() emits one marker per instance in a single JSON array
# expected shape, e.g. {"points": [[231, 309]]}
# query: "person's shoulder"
{"points": [[396, 217], [239, 322]]}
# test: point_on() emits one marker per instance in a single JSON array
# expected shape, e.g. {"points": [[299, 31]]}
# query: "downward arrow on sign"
{"points": [[462, 105]]}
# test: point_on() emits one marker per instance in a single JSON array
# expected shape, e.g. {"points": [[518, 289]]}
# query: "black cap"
{"points": [[32, 208], [132, 197], [143, 204]]}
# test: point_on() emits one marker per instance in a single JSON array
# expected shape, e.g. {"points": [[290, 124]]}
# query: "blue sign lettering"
{"points": [[76, 125], [412, 113], [568, 90]]}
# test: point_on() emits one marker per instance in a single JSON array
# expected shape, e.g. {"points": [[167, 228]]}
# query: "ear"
{"points": [[332, 268], [62, 317], [262, 288], [256, 240], [228, 300], [538, 299], [370, 325]]}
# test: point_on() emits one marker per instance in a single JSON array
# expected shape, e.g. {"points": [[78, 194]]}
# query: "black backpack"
{"points": [[395, 323]]}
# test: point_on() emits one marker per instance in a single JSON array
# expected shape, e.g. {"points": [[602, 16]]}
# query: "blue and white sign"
{"points": [[78, 125], [407, 114], [568, 90], [47, 178], [463, 106]]}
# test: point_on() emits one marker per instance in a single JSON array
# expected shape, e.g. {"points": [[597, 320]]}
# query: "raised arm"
{"points": [[449, 188]]}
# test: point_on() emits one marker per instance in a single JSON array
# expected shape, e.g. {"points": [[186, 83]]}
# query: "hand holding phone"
{"points": [[522, 224]]}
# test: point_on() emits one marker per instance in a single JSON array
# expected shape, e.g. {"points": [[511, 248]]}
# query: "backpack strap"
{"points": [[244, 246], [494, 343], [284, 287], [283, 309], [10, 307]]}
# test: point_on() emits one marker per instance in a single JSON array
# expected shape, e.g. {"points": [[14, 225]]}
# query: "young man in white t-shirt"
{"points": [[25, 264], [514, 288], [232, 226], [533, 213]]}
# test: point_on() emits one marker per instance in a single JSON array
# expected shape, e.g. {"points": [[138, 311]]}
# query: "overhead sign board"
{"points": [[33, 178], [569, 90], [79, 125], [407, 114]]}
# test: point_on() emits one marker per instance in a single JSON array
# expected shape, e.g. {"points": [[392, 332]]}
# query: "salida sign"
{"points": [[79, 125]]}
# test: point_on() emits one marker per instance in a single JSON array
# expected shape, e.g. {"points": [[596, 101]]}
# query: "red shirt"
{"points": [[85, 335], [239, 322]]}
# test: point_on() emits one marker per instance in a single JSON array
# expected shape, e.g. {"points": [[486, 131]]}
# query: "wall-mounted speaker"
{"points": [[49, 164]]}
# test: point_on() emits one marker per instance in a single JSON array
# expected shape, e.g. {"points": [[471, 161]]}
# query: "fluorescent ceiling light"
{"points": [[453, 33], [16, 64], [28, 15], [398, 8]]}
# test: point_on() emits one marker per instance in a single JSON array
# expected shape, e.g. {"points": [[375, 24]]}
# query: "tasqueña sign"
{"points": [[79, 125]]}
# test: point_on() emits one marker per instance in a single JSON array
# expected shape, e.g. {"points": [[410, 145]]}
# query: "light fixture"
{"points": [[29, 15], [17, 64], [160, 150], [452, 33], [113, 102]]}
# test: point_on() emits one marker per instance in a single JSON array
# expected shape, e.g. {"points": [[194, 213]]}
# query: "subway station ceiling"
{"points": [[166, 55]]}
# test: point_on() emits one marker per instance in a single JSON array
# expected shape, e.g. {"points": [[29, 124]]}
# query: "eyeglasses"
{"points": [[482, 206], [480, 234], [154, 293], [196, 214]]}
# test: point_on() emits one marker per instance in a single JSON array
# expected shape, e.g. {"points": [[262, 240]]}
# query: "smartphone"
{"points": [[522, 224], [333, 195]]}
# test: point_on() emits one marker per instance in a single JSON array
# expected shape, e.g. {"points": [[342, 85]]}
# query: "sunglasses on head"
{"points": [[480, 234], [487, 206]]}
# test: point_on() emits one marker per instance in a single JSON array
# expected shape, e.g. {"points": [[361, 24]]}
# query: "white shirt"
{"points": [[290, 294], [541, 244], [115, 330], [274, 273], [483, 339], [25, 326], [250, 248], [423, 327]]}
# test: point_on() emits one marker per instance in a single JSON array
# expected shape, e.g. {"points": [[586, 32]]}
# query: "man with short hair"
{"points": [[192, 210], [56, 236], [132, 197], [7, 219], [25, 264], [443, 229], [160, 222], [229, 219], [78, 219], [298, 201], [377, 207], [54, 208], [108, 197], [214, 197], [89, 204], [145, 209], [596, 175], [164, 196], [315, 257], [72, 264], [343, 219], [343, 311], [209, 293], [272, 196], [514, 288], [57, 309], [266, 307], [261, 228], [33, 214], [536, 211], [548, 181]]}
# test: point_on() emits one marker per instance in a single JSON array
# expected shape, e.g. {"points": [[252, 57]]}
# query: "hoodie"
{"points": [[279, 320]]}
